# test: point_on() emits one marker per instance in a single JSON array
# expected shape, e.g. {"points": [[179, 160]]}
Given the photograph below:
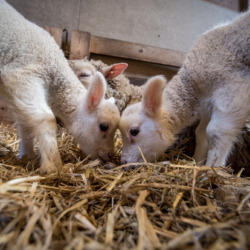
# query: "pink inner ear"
{"points": [[96, 91], [116, 70], [152, 96], [94, 101], [152, 103]]}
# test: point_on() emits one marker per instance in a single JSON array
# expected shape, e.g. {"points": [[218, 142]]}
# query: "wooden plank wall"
{"points": [[83, 44]]}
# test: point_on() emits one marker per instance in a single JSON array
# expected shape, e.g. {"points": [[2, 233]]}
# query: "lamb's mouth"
{"points": [[105, 158]]}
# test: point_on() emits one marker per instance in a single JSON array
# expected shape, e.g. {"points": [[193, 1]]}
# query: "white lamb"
{"points": [[213, 85], [38, 84], [118, 86]]}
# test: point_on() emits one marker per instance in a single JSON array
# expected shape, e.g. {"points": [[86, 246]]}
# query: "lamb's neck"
{"points": [[66, 97], [180, 103]]}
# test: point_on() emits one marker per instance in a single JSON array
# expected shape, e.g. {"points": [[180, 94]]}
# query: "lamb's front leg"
{"points": [[26, 141], [45, 133], [222, 132], [29, 100], [43, 127], [36, 120], [200, 153]]}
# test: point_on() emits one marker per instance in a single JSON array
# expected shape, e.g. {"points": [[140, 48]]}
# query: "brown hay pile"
{"points": [[157, 206]]}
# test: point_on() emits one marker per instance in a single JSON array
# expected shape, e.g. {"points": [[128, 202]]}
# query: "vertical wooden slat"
{"points": [[243, 5], [56, 33], [79, 45]]}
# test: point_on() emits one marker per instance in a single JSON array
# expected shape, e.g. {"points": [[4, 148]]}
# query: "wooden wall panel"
{"points": [[79, 45]]}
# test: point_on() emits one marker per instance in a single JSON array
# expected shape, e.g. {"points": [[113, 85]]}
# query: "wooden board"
{"points": [[56, 33], [146, 53], [79, 45], [83, 43]]}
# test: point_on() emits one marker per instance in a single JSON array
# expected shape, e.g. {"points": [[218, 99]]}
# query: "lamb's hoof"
{"points": [[110, 165], [48, 169]]}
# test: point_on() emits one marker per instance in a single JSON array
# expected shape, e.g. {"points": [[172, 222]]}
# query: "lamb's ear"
{"points": [[114, 70], [152, 95], [96, 91]]}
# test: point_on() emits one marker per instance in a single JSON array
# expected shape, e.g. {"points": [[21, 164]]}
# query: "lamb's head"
{"points": [[144, 124], [85, 71], [98, 121]]}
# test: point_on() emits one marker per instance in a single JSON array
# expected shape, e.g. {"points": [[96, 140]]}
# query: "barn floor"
{"points": [[171, 204]]}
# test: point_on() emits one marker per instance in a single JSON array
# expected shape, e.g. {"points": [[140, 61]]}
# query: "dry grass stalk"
{"points": [[172, 204]]}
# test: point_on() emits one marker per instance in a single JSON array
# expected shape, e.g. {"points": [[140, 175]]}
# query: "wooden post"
{"points": [[79, 45], [56, 33]]}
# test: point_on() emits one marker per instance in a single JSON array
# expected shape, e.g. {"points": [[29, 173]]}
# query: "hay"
{"points": [[171, 204]]}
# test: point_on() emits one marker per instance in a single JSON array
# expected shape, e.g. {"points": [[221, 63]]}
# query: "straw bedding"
{"points": [[171, 204]]}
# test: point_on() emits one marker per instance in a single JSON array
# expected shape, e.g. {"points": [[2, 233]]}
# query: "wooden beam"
{"points": [[56, 33], [146, 53], [79, 45]]}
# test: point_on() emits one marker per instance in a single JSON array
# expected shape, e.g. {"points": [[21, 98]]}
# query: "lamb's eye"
{"points": [[134, 131], [84, 75], [104, 127]]}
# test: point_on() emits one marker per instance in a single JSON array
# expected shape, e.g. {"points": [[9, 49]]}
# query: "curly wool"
{"points": [[119, 88]]}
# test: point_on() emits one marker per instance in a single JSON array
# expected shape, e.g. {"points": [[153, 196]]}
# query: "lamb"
{"points": [[119, 86], [85, 69], [38, 84], [212, 86]]}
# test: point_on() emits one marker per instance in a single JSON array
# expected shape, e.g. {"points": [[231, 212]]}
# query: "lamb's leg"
{"points": [[26, 141], [200, 153], [222, 132], [29, 102], [43, 126], [45, 133]]}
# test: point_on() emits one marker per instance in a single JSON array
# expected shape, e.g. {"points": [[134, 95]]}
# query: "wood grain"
{"points": [[79, 45], [146, 53]]}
